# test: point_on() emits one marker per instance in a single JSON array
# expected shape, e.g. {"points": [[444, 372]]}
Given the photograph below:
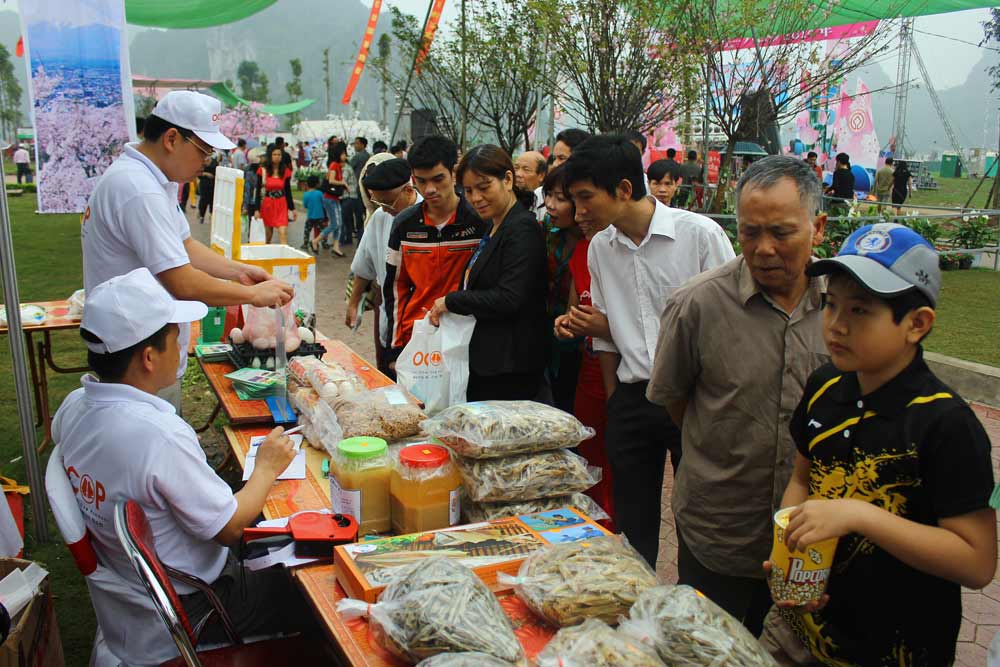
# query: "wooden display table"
{"points": [[40, 358]]}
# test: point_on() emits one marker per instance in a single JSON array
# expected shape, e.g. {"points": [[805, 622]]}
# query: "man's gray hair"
{"points": [[767, 172]]}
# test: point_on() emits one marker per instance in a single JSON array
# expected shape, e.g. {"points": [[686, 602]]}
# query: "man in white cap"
{"points": [[120, 441], [133, 219]]}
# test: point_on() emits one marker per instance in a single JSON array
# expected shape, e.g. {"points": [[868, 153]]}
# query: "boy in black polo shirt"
{"points": [[892, 462]]}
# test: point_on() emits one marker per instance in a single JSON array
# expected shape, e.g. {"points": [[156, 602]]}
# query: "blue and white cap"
{"points": [[887, 259]]}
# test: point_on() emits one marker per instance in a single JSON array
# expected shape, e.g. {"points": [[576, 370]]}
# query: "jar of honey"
{"points": [[359, 483], [424, 490]]}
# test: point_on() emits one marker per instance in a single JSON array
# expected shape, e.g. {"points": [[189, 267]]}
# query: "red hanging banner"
{"points": [[366, 43], [433, 19], [19, 49]]}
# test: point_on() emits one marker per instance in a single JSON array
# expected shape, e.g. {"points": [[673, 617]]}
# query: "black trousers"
{"points": [[747, 599], [506, 387], [638, 437], [565, 380]]}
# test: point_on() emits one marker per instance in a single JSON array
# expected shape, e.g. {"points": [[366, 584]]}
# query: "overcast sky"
{"points": [[948, 61]]}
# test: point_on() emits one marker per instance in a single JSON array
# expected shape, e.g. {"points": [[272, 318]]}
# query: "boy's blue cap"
{"points": [[887, 259]]}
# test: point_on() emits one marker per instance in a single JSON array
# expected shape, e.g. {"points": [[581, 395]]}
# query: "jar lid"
{"points": [[362, 447], [424, 456]]}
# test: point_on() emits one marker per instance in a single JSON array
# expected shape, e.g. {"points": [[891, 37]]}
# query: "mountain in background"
{"points": [[280, 33]]}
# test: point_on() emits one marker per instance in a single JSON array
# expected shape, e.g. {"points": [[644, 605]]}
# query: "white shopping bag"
{"points": [[434, 365], [257, 234]]}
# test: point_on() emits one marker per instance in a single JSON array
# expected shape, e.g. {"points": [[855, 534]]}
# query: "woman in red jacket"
{"points": [[590, 402]]}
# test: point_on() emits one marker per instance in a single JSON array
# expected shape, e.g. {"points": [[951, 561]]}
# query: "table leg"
{"points": [[225, 461], [52, 364], [43, 391], [32, 362], [211, 418]]}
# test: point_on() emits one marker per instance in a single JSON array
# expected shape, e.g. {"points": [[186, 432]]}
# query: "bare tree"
{"points": [[500, 92], [765, 75], [621, 65]]}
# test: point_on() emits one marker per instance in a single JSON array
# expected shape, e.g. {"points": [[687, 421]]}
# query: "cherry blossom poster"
{"points": [[81, 95]]}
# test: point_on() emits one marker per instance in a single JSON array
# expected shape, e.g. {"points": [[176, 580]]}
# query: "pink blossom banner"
{"points": [[81, 95], [815, 35]]}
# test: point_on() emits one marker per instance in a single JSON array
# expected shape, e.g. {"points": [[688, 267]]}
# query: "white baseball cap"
{"points": [[128, 309], [196, 112]]}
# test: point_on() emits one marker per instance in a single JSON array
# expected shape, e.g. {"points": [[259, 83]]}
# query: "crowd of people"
{"points": [[770, 379]]}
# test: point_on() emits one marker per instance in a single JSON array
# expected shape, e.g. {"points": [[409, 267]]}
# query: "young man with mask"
{"points": [[646, 253]]}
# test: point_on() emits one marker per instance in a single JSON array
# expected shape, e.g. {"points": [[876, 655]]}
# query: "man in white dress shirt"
{"points": [[645, 254], [530, 168]]}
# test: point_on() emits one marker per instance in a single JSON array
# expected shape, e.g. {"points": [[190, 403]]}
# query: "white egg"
{"points": [[306, 335], [236, 335], [255, 363], [270, 364], [292, 344], [260, 344], [272, 341], [330, 391]]}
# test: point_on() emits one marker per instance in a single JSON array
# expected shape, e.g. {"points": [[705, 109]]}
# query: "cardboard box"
{"points": [[487, 548], [34, 640]]}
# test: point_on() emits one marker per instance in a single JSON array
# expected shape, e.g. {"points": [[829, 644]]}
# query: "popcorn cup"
{"points": [[798, 576]]}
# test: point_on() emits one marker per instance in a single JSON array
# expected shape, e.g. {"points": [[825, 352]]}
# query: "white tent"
{"points": [[345, 128]]}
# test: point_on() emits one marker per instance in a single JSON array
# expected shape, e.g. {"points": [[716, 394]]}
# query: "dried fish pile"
{"points": [[463, 660], [569, 583], [371, 413], [689, 630], [594, 644], [476, 512], [437, 606], [526, 476], [488, 429]]}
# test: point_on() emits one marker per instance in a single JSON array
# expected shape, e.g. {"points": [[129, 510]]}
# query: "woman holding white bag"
{"points": [[504, 285]]}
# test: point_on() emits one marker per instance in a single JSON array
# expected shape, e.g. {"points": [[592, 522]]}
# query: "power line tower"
{"points": [[938, 107], [902, 85]]}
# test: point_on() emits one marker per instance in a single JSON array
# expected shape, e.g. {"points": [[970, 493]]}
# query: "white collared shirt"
{"points": [[132, 221], [21, 156], [119, 442], [540, 210], [631, 284]]}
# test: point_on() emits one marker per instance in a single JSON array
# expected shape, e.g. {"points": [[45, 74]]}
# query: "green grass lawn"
{"points": [[952, 192], [49, 266]]}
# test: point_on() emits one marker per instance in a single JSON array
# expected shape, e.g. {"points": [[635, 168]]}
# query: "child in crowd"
{"points": [[664, 178], [315, 215], [892, 462]]}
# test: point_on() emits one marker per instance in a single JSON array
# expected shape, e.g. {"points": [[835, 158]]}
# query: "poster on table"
{"points": [[81, 95]]}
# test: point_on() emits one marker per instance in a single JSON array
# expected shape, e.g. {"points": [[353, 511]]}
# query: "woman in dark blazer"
{"points": [[504, 285]]}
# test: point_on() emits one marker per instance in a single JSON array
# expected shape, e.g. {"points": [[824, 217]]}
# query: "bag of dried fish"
{"points": [[463, 660], [476, 512], [569, 583], [594, 644], [488, 429], [689, 630], [437, 606], [382, 413], [526, 476]]}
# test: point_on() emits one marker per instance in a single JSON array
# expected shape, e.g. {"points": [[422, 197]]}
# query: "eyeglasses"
{"points": [[206, 153], [394, 201]]}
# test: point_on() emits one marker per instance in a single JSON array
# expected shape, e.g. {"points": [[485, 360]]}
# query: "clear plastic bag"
{"points": [[689, 630], [476, 512], [488, 429], [437, 606], [526, 476], [383, 413], [594, 644], [464, 659], [568, 583], [330, 380], [261, 327], [324, 431]]}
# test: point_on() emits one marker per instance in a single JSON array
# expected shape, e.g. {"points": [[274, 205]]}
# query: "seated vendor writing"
{"points": [[121, 441]]}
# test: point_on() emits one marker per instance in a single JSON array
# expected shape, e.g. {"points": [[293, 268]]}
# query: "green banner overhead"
{"points": [[190, 13], [231, 99], [842, 12]]}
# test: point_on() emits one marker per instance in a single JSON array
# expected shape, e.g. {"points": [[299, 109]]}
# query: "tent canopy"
{"points": [[191, 13], [231, 99], [830, 13]]}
